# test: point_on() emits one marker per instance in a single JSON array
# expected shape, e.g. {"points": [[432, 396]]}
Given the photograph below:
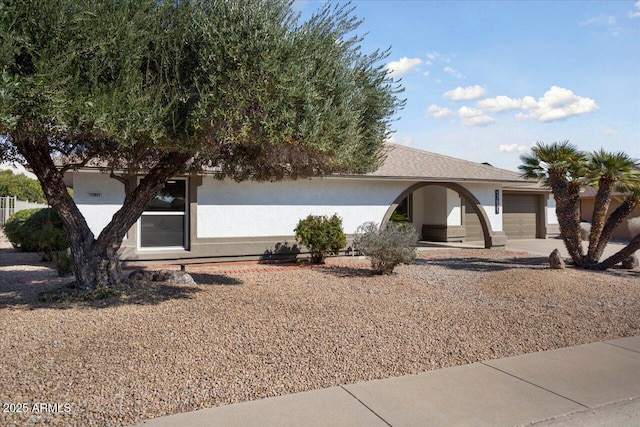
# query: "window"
{"points": [[404, 211], [163, 222]]}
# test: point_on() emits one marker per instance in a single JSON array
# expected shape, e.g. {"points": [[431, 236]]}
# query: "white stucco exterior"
{"points": [[98, 197], [551, 210], [485, 193], [251, 209]]}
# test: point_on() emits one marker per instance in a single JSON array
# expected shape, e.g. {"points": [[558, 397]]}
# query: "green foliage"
{"points": [[321, 235], [399, 217], [387, 247], [64, 263], [36, 230], [21, 186], [243, 84]]}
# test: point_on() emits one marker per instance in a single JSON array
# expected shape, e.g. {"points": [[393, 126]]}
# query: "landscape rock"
{"points": [[630, 263], [162, 276], [555, 260]]}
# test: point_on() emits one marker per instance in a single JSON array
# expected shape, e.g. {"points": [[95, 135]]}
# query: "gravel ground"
{"points": [[252, 332]]}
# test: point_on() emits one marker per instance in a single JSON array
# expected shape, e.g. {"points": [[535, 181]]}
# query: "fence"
{"points": [[10, 205]]}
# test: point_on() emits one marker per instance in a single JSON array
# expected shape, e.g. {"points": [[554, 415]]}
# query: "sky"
{"points": [[485, 80]]}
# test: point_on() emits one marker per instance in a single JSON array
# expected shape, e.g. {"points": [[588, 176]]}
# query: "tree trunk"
{"points": [[622, 254], [567, 197], [96, 261], [615, 219], [600, 208]]}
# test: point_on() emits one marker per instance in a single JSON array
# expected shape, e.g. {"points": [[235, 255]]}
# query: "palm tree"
{"points": [[607, 171], [617, 216], [561, 166]]}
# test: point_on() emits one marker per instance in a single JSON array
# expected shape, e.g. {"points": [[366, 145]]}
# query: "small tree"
{"points": [[21, 186], [565, 170], [321, 235], [388, 247], [158, 88]]}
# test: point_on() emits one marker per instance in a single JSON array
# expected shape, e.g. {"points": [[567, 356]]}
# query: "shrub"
{"points": [[37, 230], [64, 263], [387, 247], [321, 235]]}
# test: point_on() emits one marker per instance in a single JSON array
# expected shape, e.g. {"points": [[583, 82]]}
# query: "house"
{"points": [[203, 219], [587, 202]]}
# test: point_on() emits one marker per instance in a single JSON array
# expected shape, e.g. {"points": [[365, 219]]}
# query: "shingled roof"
{"points": [[409, 163]]}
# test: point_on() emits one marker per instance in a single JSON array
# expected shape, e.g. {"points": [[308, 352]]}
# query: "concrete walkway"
{"points": [[594, 384]]}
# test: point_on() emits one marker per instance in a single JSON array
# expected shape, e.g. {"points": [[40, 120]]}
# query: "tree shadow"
{"points": [[485, 264], [215, 279], [63, 294], [280, 252], [347, 272]]}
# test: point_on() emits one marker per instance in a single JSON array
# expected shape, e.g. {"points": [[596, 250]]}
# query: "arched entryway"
{"points": [[491, 238]]}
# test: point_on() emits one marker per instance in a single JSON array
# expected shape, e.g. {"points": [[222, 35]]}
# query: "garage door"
{"points": [[472, 225], [520, 216]]}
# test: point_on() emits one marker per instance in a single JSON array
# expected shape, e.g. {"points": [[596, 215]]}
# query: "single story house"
{"points": [[202, 219]]}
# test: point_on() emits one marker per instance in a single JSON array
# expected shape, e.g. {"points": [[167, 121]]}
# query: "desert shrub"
{"points": [[64, 263], [37, 230], [321, 235], [388, 247]]}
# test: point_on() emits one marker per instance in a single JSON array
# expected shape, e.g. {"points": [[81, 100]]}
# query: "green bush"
{"points": [[387, 247], [64, 263], [37, 230], [321, 235]]}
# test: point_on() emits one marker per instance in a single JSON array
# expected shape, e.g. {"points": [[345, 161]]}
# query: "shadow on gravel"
{"points": [[485, 264], [215, 279], [62, 296], [348, 271]]}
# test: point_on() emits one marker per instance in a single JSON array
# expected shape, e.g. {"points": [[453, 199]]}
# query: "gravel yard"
{"points": [[253, 332]]}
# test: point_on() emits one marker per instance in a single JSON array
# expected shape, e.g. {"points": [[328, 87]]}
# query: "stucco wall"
{"points": [[454, 208], [250, 209], [97, 210], [485, 193]]}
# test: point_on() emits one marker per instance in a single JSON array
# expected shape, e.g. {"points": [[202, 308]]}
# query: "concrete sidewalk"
{"points": [[593, 384]]}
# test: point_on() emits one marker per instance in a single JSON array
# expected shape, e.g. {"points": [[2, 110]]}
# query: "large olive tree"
{"points": [[565, 169], [158, 88]]}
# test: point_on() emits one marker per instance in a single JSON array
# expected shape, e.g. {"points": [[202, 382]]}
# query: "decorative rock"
{"points": [[555, 260], [162, 276], [141, 275], [630, 262]]}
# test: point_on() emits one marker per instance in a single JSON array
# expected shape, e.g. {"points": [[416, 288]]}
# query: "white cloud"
{"points": [[402, 66], [405, 140], [454, 73], [556, 104], [513, 148], [600, 20], [609, 132], [635, 13], [473, 117], [432, 55], [438, 112], [465, 93], [559, 103], [426, 73]]}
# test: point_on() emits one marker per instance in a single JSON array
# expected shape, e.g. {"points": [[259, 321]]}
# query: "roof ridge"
{"points": [[456, 159]]}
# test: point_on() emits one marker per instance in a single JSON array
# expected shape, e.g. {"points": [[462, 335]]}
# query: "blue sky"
{"points": [[485, 80]]}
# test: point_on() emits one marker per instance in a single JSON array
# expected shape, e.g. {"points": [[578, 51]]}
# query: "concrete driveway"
{"points": [[544, 247]]}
